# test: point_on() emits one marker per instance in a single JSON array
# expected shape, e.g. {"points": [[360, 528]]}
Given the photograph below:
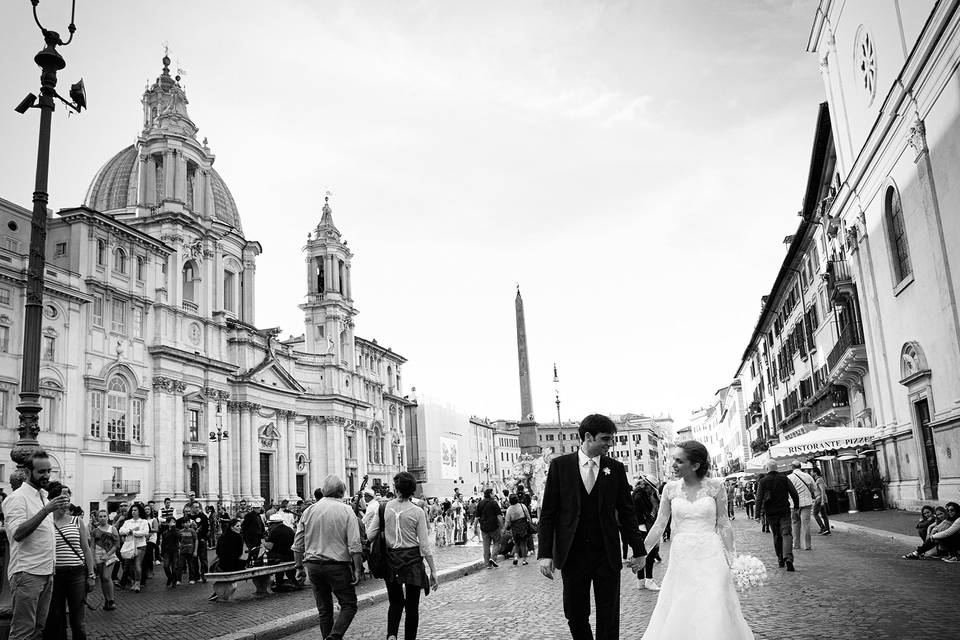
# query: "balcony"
{"points": [[121, 487], [839, 280], [847, 361], [831, 408], [119, 446]]}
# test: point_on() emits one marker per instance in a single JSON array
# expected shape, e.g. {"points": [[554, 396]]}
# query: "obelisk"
{"points": [[527, 424]]}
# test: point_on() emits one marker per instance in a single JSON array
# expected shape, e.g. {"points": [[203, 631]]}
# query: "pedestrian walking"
{"points": [[646, 504], [407, 545], [328, 552], [774, 493], [133, 534], [73, 575], [106, 541], [800, 518], [749, 499], [170, 552], [491, 526], [520, 523], [27, 516], [820, 502]]}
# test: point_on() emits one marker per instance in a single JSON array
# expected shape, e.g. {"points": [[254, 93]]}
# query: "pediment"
{"points": [[273, 375]]}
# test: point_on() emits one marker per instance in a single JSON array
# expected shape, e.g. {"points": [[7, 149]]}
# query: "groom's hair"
{"points": [[596, 423]]}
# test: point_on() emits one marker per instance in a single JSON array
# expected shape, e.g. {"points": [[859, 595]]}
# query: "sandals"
{"points": [[913, 555]]}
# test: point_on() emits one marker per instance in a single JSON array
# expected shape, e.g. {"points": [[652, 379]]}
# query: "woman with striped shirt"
{"points": [[73, 576]]}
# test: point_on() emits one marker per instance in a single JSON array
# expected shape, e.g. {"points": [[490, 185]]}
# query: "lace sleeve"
{"points": [[724, 528], [663, 518]]}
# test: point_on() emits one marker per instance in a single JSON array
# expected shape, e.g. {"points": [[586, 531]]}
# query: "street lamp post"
{"points": [[50, 62], [219, 436]]}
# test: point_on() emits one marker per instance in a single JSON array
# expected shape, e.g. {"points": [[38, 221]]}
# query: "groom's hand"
{"points": [[636, 563], [546, 567]]}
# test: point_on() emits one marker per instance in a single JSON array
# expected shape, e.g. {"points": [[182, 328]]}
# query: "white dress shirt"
{"points": [[585, 467], [36, 553]]}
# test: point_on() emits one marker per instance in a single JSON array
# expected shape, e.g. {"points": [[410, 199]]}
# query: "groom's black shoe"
{"points": [[780, 562], [790, 566]]}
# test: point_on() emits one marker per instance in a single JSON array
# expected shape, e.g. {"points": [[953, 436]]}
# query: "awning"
{"points": [[737, 475], [757, 464], [823, 439]]}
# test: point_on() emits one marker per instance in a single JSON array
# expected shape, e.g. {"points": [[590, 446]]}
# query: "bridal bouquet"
{"points": [[748, 572]]}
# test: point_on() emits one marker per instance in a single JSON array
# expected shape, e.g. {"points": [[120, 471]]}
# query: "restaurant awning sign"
{"points": [[825, 439]]}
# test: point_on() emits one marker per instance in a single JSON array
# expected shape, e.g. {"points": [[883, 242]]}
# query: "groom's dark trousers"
{"points": [[588, 565]]}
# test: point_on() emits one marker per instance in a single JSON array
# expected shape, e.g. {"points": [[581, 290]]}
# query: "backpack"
{"points": [[377, 558]]}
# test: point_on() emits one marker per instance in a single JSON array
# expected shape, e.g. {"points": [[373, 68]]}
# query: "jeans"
{"points": [[801, 526], [202, 556], [171, 567], [401, 603], [69, 591], [491, 542], [333, 579], [189, 566], [31, 604], [782, 530], [820, 514]]}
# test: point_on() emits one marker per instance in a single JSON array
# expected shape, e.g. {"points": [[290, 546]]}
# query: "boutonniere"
{"points": [[606, 471]]}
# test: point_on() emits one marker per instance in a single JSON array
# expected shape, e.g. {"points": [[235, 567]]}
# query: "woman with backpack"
{"points": [[403, 526], [520, 524]]}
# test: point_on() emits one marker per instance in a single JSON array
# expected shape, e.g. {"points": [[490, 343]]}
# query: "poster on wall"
{"points": [[449, 464]]}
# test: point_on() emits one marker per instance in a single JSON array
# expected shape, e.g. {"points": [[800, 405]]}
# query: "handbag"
{"points": [[377, 562], [128, 550]]}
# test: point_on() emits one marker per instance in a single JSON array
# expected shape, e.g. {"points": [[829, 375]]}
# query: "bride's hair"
{"points": [[696, 454]]}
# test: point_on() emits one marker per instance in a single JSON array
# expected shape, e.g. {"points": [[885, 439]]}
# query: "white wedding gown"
{"points": [[697, 597]]}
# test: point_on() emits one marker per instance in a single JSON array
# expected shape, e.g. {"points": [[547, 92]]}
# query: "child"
{"points": [[170, 551], [188, 550], [441, 530]]}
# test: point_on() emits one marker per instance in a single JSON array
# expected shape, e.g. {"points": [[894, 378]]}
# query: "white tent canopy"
{"points": [[823, 439]]}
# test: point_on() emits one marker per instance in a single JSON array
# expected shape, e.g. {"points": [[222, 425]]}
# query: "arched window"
{"points": [[897, 234], [101, 253], [120, 262], [190, 277], [371, 448], [117, 403], [229, 290], [51, 394], [390, 378], [141, 268]]}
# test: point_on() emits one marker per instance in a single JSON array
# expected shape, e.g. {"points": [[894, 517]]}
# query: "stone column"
{"points": [[245, 450], [180, 179], [179, 478], [315, 437], [164, 409], [150, 179], [346, 278], [249, 290], [141, 180], [232, 472], [253, 452], [169, 173], [311, 275], [335, 453], [328, 273], [283, 457], [208, 202], [291, 445]]}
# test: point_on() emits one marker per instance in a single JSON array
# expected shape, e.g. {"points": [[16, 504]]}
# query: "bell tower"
{"points": [[329, 311]]}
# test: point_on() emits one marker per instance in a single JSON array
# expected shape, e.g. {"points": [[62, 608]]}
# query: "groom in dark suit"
{"points": [[586, 508]]}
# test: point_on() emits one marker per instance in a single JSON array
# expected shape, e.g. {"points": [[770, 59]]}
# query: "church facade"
{"points": [[150, 345]]}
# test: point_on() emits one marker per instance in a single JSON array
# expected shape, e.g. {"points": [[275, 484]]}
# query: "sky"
{"points": [[633, 165]]}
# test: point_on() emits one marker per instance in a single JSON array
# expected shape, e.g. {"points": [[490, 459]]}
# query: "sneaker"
{"points": [[193, 582], [781, 562], [826, 533], [525, 563], [790, 565], [109, 605], [493, 565], [650, 584], [951, 559], [514, 563]]}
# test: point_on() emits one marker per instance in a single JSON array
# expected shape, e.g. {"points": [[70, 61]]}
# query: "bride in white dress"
{"points": [[697, 588]]}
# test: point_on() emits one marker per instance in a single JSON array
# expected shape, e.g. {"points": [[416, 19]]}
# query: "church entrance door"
{"points": [[265, 489]]}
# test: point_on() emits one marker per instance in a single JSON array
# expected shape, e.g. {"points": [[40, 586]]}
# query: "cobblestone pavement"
{"points": [[848, 587], [891, 520], [186, 614]]}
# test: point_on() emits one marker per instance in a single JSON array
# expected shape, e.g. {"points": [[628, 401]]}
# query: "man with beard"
{"points": [[33, 549]]}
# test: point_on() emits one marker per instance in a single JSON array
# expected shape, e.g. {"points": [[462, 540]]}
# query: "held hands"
{"points": [[546, 567], [59, 502], [301, 575], [636, 564]]}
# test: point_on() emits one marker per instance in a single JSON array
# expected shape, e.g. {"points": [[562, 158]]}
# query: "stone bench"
{"points": [[225, 582]]}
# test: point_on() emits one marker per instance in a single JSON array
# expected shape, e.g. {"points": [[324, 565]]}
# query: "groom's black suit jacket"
{"points": [[560, 510]]}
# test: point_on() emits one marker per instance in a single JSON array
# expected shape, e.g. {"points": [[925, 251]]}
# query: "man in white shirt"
{"points": [[373, 506], [800, 518], [328, 541], [33, 550]]}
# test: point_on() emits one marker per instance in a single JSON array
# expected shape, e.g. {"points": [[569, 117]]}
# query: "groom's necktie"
{"points": [[591, 475]]}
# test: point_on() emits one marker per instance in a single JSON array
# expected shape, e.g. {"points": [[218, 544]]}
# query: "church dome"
{"points": [[115, 188], [202, 192]]}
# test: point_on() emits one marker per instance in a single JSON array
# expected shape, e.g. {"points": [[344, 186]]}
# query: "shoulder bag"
{"points": [[377, 561]]}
